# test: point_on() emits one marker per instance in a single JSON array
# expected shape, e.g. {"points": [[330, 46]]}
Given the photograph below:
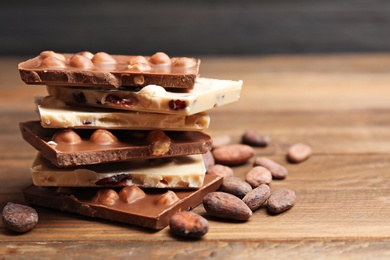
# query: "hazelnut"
{"points": [[103, 58], [137, 60], [184, 62], [139, 80], [86, 54], [139, 67], [167, 199], [43, 55], [52, 62], [130, 194], [80, 61], [103, 137], [159, 141], [106, 197], [160, 58], [67, 136]]}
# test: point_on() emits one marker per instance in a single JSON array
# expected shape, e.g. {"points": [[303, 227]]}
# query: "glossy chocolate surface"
{"points": [[150, 208], [112, 71], [67, 147]]}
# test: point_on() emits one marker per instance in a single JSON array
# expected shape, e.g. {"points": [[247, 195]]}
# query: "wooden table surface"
{"points": [[338, 104]]}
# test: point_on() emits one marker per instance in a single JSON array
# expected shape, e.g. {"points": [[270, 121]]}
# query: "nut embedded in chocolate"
{"points": [[159, 142], [45, 54], [160, 58], [103, 58], [167, 199], [103, 137], [106, 197], [67, 136], [82, 62], [184, 62], [131, 194], [52, 62]]}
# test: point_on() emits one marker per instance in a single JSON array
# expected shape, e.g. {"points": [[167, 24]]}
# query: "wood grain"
{"points": [[338, 104]]}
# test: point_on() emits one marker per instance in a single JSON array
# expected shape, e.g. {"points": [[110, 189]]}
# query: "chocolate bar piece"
{"points": [[56, 115], [207, 93], [111, 71], [148, 208], [186, 171], [71, 147]]}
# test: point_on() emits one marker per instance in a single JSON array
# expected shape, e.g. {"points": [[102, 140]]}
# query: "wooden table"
{"points": [[338, 104]]}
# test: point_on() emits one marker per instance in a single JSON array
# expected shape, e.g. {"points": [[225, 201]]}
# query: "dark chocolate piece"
{"points": [[150, 208], [112, 71], [67, 147]]}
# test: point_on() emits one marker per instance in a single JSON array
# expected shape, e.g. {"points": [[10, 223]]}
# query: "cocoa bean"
{"points": [[233, 154], [19, 218], [188, 224], [257, 197], [255, 138], [221, 170], [298, 153], [227, 206], [258, 175], [277, 170], [235, 186], [281, 200]]}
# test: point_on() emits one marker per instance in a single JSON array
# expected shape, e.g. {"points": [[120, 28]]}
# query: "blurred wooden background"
{"points": [[213, 27]]}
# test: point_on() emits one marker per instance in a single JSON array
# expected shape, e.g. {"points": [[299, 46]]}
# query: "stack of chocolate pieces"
{"points": [[121, 137]]}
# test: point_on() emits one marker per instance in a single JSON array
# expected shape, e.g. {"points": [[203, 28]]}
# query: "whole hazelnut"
{"points": [[67, 136], [184, 62], [103, 58], [43, 55], [103, 137], [80, 61], [160, 58], [130, 194], [52, 62], [86, 54], [166, 199]]}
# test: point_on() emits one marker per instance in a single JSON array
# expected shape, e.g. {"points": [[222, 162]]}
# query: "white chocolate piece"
{"points": [[55, 115], [207, 93], [175, 172]]}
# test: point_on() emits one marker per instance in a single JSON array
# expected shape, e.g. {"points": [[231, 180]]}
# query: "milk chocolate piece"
{"points": [[110, 71], [207, 94], [56, 115], [186, 171], [63, 148], [148, 208]]}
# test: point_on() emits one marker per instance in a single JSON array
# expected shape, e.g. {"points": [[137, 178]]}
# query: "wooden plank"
{"points": [[337, 104], [334, 249]]}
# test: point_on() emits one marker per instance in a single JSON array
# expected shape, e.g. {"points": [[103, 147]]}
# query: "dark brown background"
{"points": [[195, 27]]}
